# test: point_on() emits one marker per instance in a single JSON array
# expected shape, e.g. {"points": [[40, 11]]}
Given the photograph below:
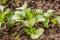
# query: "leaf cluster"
{"points": [[28, 17]]}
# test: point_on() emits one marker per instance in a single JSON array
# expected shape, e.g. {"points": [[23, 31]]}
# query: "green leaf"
{"points": [[46, 15], [17, 37], [40, 18], [15, 18], [27, 31], [45, 23], [1, 21], [54, 21], [24, 6], [20, 13], [40, 11], [2, 17], [2, 8], [30, 23], [14, 34], [58, 19], [38, 33], [29, 13], [4, 1], [4, 13], [30, 31], [50, 11], [8, 16], [0, 25]]}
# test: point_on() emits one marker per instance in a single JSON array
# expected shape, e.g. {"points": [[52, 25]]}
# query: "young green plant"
{"points": [[2, 15], [44, 17], [30, 21]]}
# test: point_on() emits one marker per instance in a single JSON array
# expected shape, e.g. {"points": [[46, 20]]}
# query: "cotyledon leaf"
{"points": [[2, 8], [38, 33], [23, 6], [30, 23], [45, 23], [58, 19]]}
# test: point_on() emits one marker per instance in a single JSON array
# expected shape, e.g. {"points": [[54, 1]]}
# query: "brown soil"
{"points": [[52, 33]]}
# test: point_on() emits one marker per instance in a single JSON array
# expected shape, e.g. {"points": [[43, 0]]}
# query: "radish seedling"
{"points": [[34, 33], [29, 17], [44, 17], [30, 21], [2, 14]]}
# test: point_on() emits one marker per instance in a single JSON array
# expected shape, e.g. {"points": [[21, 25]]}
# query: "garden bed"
{"points": [[50, 33]]}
